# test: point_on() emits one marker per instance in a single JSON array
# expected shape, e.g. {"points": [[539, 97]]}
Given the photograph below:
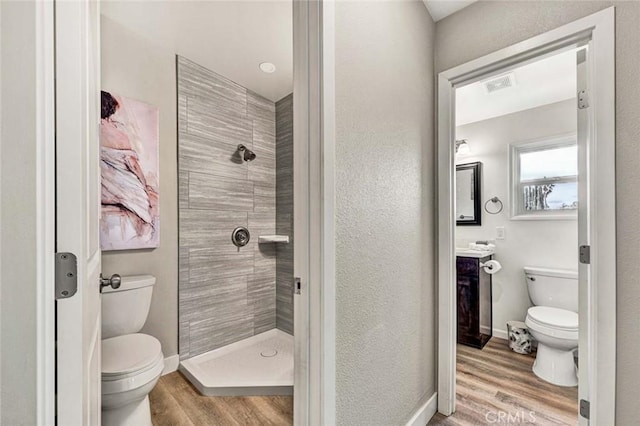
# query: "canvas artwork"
{"points": [[129, 166]]}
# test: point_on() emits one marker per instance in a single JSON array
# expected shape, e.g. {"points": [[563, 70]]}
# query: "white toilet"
{"points": [[131, 362], [553, 322]]}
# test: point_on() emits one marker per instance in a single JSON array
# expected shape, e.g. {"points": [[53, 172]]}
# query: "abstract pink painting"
{"points": [[129, 166]]}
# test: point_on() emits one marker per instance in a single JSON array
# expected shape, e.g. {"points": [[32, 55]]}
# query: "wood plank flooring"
{"points": [[496, 380], [175, 402]]}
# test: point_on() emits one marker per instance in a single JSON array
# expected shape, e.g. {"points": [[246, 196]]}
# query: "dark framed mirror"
{"points": [[468, 198]]}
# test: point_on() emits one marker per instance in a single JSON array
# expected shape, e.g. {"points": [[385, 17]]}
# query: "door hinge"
{"points": [[585, 254], [297, 286], [583, 99], [584, 408], [66, 275]]}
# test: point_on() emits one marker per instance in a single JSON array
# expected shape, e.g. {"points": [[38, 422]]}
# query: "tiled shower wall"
{"points": [[284, 213], [226, 294]]}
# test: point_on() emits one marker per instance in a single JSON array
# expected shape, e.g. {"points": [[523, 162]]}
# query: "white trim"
{"points": [[301, 377], [598, 30], [500, 334], [45, 246], [423, 414], [171, 364], [314, 252], [327, 202]]}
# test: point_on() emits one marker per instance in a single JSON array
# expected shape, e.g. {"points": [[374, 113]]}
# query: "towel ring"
{"points": [[494, 200]]}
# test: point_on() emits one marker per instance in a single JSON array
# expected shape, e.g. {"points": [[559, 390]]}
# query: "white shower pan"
{"points": [[259, 365]]}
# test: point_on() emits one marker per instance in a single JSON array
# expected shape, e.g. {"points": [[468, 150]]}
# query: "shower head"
{"points": [[248, 154]]}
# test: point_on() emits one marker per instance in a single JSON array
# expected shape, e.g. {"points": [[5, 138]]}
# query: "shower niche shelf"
{"points": [[267, 239]]}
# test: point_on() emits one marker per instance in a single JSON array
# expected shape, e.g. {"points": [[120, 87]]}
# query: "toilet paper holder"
{"points": [[485, 265], [491, 267]]}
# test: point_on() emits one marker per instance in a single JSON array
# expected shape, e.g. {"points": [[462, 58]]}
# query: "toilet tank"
{"points": [[125, 309], [557, 288]]}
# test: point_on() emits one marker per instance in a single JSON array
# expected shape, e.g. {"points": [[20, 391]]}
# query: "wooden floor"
{"points": [[174, 401], [496, 380]]}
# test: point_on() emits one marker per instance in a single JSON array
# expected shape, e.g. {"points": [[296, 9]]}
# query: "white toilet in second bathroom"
{"points": [[131, 362], [553, 322]]}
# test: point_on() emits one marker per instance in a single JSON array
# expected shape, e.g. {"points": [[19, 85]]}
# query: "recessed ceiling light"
{"points": [[267, 67]]}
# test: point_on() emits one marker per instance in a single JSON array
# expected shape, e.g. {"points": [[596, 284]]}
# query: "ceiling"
{"points": [[229, 37], [543, 82], [442, 8]]}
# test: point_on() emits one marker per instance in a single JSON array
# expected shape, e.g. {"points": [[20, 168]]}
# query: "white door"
{"points": [[78, 209]]}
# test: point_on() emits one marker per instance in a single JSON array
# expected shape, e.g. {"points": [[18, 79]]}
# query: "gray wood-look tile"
{"points": [[182, 113], [208, 264], [218, 193], [262, 223], [195, 80], [183, 189], [226, 294], [267, 127], [204, 120], [284, 213], [262, 170], [232, 323], [260, 107], [264, 198], [198, 154], [210, 229], [264, 260], [264, 143], [210, 297], [183, 266], [261, 291], [183, 340]]}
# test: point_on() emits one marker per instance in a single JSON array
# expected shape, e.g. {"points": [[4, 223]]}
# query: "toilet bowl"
{"points": [[132, 362], [556, 331], [553, 323]]}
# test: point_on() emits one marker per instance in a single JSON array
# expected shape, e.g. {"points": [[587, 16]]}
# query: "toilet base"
{"points": [[137, 413], [555, 366]]}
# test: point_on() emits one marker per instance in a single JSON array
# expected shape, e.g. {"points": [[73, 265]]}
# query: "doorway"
{"points": [[596, 203], [79, 392]]}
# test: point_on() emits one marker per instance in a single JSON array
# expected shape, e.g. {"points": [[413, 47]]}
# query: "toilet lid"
{"points": [[129, 353], [554, 317]]}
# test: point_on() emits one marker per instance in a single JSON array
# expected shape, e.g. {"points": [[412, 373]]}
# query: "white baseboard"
{"points": [[422, 416], [500, 334], [171, 364]]}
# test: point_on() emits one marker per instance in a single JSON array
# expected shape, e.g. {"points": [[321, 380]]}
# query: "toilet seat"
{"points": [[554, 322], [129, 362]]}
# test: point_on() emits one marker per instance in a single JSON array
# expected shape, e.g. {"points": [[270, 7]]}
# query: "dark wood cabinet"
{"points": [[475, 318]]}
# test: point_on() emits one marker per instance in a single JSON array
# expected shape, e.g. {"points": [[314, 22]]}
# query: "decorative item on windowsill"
{"points": [[496, 208]]}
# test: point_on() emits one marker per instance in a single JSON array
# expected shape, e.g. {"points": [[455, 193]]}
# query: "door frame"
{"points": [[45, 202], [314, 223], [598, 30]]}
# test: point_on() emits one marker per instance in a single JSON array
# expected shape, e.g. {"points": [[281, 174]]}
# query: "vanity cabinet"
{"points": [[474, 310]]}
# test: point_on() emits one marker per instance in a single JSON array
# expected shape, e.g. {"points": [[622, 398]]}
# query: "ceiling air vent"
{"points": [[501, 82]]}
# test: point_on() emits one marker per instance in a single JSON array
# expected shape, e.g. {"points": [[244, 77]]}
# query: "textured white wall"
{"points": [[487, 26], [385, 343], [547, 243], [138, 68]]}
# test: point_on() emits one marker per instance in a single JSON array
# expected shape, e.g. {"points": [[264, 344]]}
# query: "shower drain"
{"points": [[269, 353]]}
